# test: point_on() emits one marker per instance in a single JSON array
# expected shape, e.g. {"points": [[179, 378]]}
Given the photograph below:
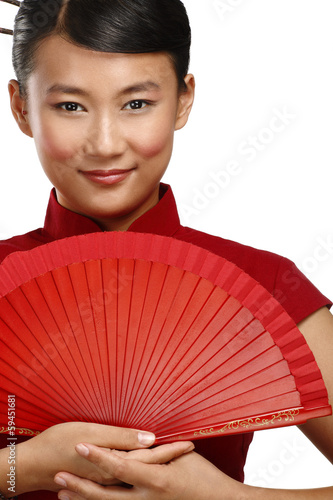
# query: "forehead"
{"points": [[58, 61]]}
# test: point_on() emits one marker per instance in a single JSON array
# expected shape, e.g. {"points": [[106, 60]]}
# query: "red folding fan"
{"points": [[148, 332]]}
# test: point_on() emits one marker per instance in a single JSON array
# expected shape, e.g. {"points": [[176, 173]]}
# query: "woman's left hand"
{"points": [[187, 477]]}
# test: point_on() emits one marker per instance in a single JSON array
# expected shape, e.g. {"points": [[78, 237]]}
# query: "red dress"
{"points": [[277, 274]]}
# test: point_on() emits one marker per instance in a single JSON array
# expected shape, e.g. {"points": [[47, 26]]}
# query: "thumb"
{"points": [[121, 438]]}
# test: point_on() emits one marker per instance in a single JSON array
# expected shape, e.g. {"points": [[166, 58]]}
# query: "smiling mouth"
{"points": [[107, 177]]}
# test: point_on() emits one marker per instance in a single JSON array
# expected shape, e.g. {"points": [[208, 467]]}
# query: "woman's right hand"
{"points": [[52, 451]]}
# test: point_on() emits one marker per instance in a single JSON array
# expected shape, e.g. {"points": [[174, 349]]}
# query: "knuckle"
{"points": [[76, 487], [95, 477], [120, 469]]}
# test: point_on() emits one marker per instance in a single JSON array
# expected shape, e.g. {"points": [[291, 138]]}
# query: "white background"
{"points": [[252, 59]]}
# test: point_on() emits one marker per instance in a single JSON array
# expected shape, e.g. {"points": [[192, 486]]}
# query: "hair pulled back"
{"points": [[120, 26]]}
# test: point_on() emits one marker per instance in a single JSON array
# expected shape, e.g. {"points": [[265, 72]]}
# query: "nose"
{"points": [[105, 138]]}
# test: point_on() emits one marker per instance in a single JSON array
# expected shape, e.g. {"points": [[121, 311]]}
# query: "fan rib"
{"points": [[233, 402], [134, 328], [156, 359], [33, 392], [201, 362], [67, 362], [92, 270], [106, 370], [75, 337], [82, 298], [216, 379], [143, 375], [166, 380], [37, 350]]}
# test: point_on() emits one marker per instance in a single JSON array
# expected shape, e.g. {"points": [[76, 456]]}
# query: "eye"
{"points": [[137, 104], [70, 106]]}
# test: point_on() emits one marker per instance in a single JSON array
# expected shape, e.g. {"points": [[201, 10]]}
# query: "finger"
{"points": [[124, 439], [161, 454], [69, 495], [83, 489], [110, 436], [127, 471]]}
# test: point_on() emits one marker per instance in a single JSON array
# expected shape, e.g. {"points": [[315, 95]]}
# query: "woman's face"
{"points": [[103, 125]]}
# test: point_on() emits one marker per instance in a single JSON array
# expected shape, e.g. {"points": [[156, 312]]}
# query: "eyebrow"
{"points": [[65, 89], [140, 87], [137, 87]]}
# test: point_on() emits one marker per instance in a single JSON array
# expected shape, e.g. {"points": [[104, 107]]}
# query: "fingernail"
{"points": [[82, 450], [146, 438], [60, 481], [63, 497]]}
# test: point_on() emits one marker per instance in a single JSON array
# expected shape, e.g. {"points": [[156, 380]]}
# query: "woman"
{"points": [[103, 121]]}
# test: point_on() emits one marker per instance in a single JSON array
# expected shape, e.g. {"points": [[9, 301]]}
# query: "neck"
{"points": [[120, 222]]}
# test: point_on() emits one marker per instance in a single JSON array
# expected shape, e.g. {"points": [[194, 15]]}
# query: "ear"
{"points": [[185, 102], [19, 107]]}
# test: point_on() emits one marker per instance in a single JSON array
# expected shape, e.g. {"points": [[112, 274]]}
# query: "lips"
{"points": [[107, 177]]}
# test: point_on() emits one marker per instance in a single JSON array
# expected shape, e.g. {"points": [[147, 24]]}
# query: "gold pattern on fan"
{"points": [[251, 423], [20, 431]]}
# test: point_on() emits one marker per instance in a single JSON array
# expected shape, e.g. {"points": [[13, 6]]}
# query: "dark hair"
{"points": [[122, 26]]}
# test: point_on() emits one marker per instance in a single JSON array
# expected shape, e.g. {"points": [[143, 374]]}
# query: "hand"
{"points": [[187, 477], [40, 458]]}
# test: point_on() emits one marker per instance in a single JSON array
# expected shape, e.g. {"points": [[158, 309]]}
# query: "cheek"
{"points": [[155, 141], [55, 142]]}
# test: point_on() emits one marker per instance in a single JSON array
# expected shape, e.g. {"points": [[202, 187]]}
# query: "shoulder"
{"points": [[260, 264], [276, 273]]}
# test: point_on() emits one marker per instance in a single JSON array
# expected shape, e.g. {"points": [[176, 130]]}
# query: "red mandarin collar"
{"points": [[162, 219]]}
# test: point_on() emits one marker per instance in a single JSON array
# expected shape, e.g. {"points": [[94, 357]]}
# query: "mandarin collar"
{"points": [[162, 219]]}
